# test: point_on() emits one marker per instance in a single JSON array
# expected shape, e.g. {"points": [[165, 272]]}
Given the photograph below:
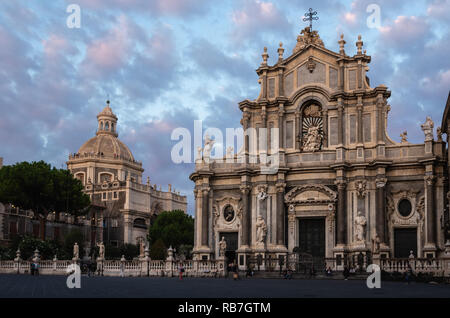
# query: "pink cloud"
{"points": [[404, 30], [439, 9]]}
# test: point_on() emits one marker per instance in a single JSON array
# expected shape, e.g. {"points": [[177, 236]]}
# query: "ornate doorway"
{"points": [[312, 236], [405, 240]]}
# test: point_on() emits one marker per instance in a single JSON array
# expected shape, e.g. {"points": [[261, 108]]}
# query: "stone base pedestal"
{"points": [[429, 251]]}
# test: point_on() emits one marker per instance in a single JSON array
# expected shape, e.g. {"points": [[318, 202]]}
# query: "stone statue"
{"points": [[222, 246], [199, 153], [209, 143], [76, 251], [261, 229], [230, 152], [360, 227], [427, 128], [404, 136], [313, 139], [439, 134], [376, 244], [101, 250], [142, 248]]}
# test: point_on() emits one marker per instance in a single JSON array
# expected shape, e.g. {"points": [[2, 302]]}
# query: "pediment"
{"points": [[310, 193]]}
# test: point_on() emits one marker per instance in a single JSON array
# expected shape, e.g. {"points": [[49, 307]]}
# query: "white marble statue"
{"points": [[427, 128], [261, 229], [209, 143], [101, 250], [360, 227], [376, 244], [76, 251], [142, 248], [222, 246]]}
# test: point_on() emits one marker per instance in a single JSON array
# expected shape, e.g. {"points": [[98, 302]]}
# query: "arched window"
{"points": [[107, 126], [101, 125], [112, 127], [139, 223]]}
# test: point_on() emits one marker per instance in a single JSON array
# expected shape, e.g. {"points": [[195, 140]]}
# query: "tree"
{"points": [[38, 187], [158, 251], [174, 228]]}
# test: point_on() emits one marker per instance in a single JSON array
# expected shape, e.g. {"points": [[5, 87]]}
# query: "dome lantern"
{"points": [[107, 121]]}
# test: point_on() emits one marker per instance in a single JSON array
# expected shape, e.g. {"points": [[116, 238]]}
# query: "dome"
{"points": [[106, 143], [108, 146]]}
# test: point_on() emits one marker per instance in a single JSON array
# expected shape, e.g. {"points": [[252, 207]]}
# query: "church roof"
{"points": [[106, 145]]}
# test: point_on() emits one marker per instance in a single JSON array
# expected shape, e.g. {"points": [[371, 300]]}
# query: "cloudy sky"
{"points": [[166, 63]]}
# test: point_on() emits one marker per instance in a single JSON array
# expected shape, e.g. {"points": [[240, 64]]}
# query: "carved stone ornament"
{"points": [[306, 38], [311, 65], [380, 182], [262, 192], [360, 186]]}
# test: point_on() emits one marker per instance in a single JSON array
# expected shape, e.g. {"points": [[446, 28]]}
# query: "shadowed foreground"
{"points": [[27, 286]]}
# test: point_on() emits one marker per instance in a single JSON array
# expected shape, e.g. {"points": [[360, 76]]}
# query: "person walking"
{"points": [[181, 271], [346, 273]]}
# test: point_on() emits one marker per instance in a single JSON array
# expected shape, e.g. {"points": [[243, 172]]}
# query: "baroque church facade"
{"points": [[122, 206], [343, 186]]}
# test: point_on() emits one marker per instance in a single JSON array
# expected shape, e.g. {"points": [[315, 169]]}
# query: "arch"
{"points": [[324, 194], [105, 176], [101, 125], [80, 176], [112, 127], [107, 125], [308, 94]]}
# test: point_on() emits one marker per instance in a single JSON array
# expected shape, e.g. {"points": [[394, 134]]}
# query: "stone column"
{"points": [[298, 130], [280, 125], [245, 190], [341, 76], [430, 211], [280, 212], [245, 123], [341, 215], [380, 118], [205, 210], [381, 209], [359, 124]]}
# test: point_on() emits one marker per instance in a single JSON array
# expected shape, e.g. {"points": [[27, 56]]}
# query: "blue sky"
{"points": [[166, 63]]}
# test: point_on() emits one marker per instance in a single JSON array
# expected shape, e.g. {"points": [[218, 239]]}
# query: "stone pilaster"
{"points": [[430, 238], [246, 221], [205, 215], [341, 215], [380, 204], [280, 212]]}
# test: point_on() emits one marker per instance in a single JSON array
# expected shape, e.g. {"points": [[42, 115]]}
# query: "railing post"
{"points": [[169, 262], [55, 260]]}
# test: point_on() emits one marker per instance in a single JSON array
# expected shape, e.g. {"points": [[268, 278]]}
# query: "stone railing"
{"points": [[439, 267], [48, 267]]}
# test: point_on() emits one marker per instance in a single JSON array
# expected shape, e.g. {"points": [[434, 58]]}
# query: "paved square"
{"points": [[27, 286]]}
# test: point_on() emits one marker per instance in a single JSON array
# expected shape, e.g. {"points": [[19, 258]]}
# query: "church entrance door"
{"points": [[405, 240], [312, 237], [232, 245]]}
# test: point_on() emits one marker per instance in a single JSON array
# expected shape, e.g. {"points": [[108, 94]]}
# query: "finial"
{"points": [[280, 51], [265, 56], [359, 45], [341, 45]]}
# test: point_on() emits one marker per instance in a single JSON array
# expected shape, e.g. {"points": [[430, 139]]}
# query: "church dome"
{"points": [[106, 143]]}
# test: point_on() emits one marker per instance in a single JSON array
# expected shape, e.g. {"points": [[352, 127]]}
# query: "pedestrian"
{"points": [[36, 268], [235, 271], [32, 268], [329, 272], [181, 271], [346, 273]]}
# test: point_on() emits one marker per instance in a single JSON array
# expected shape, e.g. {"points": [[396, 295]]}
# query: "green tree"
{"points": [[158, 250], [38, 187], [174, 228], [47, 249]]}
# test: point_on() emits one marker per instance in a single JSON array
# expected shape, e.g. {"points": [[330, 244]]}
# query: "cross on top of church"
{"points": [[310, 16]]}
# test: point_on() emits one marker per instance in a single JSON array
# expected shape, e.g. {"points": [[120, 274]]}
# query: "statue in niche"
{"points": [[376, 244], [261, 229], [360, 227], [313, 139]]}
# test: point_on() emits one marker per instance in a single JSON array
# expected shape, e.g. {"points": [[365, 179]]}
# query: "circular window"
{"points": [[228, 213], [404, 207]]}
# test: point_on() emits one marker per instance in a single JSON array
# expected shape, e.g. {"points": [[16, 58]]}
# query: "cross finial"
{"points": [[310, 16]]}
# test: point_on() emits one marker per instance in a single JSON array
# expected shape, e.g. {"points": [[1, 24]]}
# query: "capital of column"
{"points": [[281, 110], [206, 190], [341, 183], [430, 179], [280, 186], [380, 182], [245, 188]]}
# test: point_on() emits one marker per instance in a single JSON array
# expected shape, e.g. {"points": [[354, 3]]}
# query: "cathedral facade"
{"points": [[343, 186], [122, 206]]}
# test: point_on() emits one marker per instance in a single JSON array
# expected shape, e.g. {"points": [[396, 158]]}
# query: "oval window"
{"points": [[404, 207], [228, 213]]}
